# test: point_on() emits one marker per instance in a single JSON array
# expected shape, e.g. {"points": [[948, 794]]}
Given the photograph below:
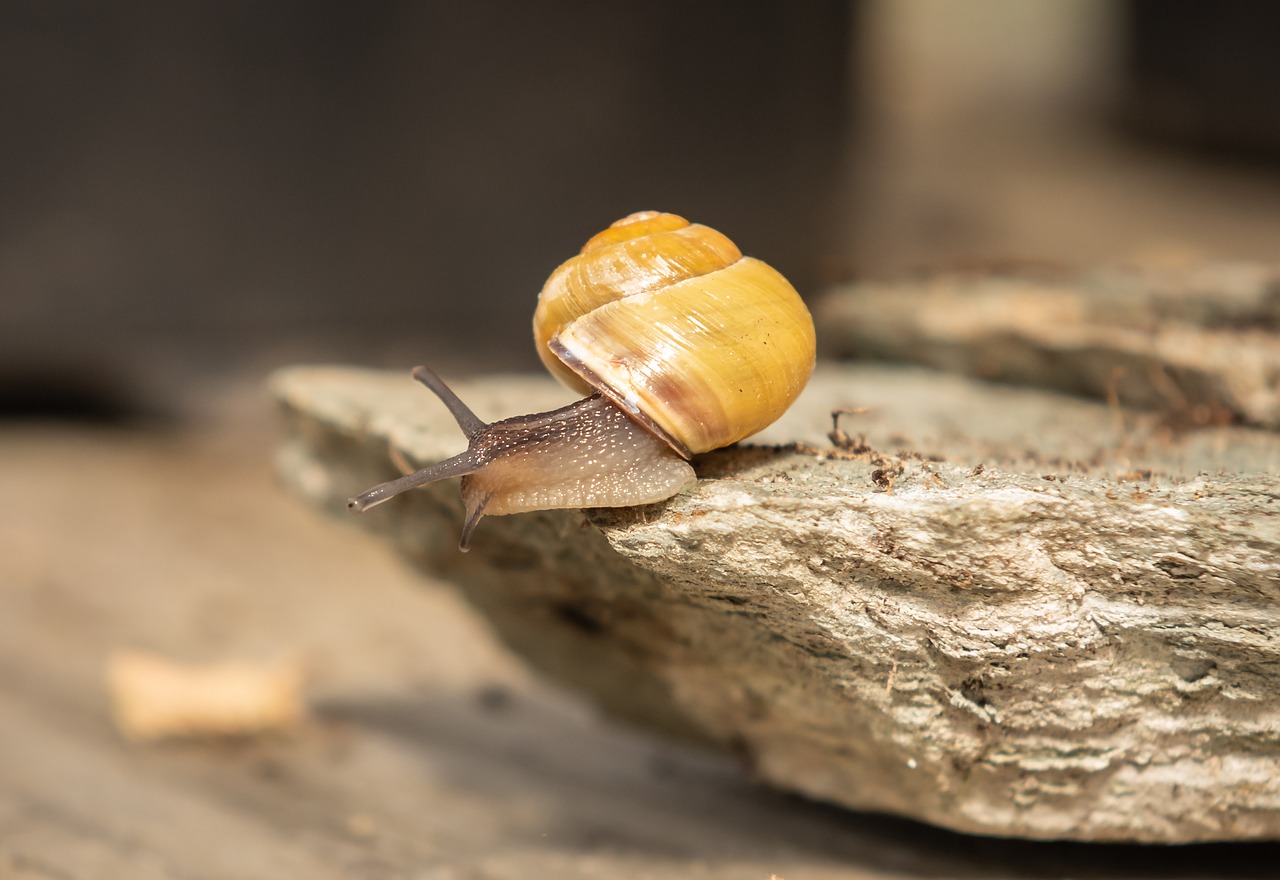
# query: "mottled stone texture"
{"points": [[1001, 611]]}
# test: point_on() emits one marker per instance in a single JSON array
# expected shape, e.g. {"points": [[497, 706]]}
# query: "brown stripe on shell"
{"points": [[595, 381]]}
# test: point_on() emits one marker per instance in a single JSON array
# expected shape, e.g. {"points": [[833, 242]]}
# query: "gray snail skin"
{"points": [[682, 346], [587, 454]]}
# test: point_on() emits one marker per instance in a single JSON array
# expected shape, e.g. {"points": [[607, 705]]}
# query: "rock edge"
{"points": [[1094, 656]]}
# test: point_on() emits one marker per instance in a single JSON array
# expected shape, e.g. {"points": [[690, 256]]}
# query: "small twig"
{"points": [[1113, 403], [839, 438]]}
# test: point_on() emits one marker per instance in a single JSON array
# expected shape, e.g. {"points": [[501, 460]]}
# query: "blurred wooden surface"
{"points": [[430, 753]]}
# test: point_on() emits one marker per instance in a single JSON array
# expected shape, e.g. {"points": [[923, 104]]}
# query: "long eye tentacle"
{"points": [[460, 465], [469, 422]]}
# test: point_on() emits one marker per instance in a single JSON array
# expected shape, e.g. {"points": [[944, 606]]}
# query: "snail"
{"points": [[681, 344]]}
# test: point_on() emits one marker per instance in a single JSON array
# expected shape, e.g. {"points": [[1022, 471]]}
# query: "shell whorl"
{"points": [[699, 344]]}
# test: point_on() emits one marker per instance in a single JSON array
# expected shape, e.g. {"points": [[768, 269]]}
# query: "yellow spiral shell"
{"points": [[698, 343]]}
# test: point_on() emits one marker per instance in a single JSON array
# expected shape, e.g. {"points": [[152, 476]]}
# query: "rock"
{"points": [[998, 610], [1203, 345]]}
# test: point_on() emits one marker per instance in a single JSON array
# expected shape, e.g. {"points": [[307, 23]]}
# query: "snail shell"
{"points": [[667, 319], [682, 345]]}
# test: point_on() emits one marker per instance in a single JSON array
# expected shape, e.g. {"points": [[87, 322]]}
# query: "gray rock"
{"points": [[1202, 345], [1001, 611]]}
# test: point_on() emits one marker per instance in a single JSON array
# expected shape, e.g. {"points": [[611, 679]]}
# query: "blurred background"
{"points": [[211, 189], [194, 194]]}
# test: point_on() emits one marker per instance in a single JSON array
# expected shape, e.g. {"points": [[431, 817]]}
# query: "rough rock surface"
{"points": [[1202, 344], [997, 610]]}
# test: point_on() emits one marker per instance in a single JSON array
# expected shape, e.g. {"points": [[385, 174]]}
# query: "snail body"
{"points": [[682, 345]]}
